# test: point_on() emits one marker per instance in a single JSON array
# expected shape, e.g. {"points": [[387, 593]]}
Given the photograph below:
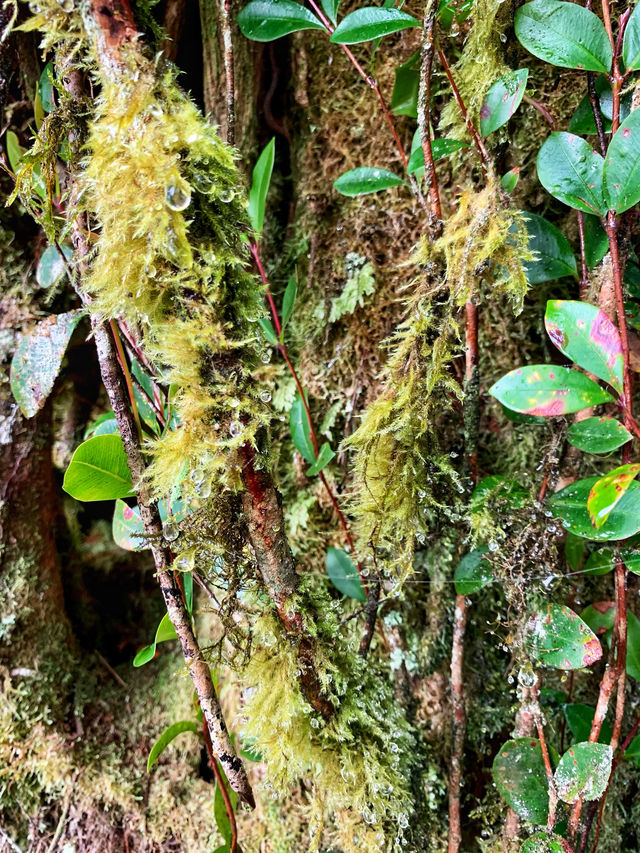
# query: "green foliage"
{"points": [[260, 186], [583, 771], [520, 777], [571, 170], [570, 504], [366, 179], [168, 735], [165, 632], [547, 390], [553, 256], [502, 100], [598, 435], [371, 22], [360, 283], [608, 491], [266, 20], [98, 470], [557, 637], [344, 575]]}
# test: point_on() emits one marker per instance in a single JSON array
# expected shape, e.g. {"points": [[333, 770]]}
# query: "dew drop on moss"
{"points": [[178, 195], [226, 196], [235, 428], [170, 530]]}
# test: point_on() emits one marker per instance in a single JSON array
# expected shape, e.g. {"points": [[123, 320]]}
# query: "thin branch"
{"points": [[424, 115], [228, 807], [224, 18]]}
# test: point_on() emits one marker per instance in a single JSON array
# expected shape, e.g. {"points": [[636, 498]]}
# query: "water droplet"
{"points": [[204, 491], [170, 530], [197, 476], [177, 194], [265, 357], [66, 5], [265, 396], [493, 546], [235, 428], [403, 820], [226, 196], [184, 561]]}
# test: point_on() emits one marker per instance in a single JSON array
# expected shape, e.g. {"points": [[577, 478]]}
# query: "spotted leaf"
{"points": [[571, 171], [557, 637], [548, 391], [520, 777], [570, 504], [583, 771], [608, 490], [622, 166], [502, 100]]}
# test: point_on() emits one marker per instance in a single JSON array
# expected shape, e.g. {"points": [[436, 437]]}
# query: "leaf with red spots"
{"points": [[571, 171], [608, 490], [127, 527], [502, 100], [587, 336], [583, 771], [570, 504], [548, 391], [621, 175], [543, 843], [557, 637], [520, 777]]}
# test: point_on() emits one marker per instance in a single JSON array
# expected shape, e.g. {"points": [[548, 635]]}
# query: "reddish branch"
{"points": [[424, 115]]}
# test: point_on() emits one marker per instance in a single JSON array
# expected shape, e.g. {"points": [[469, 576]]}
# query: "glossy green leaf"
{"points": [[571, 171], [570, 504], [520, 777], [344, 574], [220, 810], [145, 396], [564, 34], [548, 391], [583, 771], [600, 616], [633, 645], [127, 528], [404, 98], [46, 89], [165, 632], [598, 435], [289, 300], [607, 491], [260, 185], [557, 637], [106, 424], [266, 20], [583, 121], [330, 8], [371, 22], [596, 242], [541, 842], [300, 431], [622, 166], [586, 335], [502, 100], [631, 43], [601, 562], [366, 179], [631, 559], [37, 359], [632, 752], [98, 470], [579, 718], [472, 572], [439, 148], [493, 490], [15, 151], [519, 418], [187, 585], [509, 181], [325, 455], [51, 267], [268, 331], [554, 255], [168, 735], [574, 551]]}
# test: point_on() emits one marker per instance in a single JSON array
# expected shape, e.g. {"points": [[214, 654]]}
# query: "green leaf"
{"points": [[502, 100], [520, 777], [220, 810], [37, 359], [564, 34], [633, 645], [330, 8], [574, 551], [260, 183], [631, 43], [268, 331], [472, 572], [404, 98], [543, 843], [596, 242], [548, 391], [554, 255], [187, 585], [127, 527], [632, 752], [266, 20], [600, 562], [169, 734], [98, 470], [165, 632], [106, 424], [584, 772], [579, 718], [371, 22], [366, 179], [598, 435], [496, 490], [571, 170], [15, 151], [622, 166], [600, 616], [325, 455], [439, 148], [289, 300], [45, 88], [631, 559], [518, 418], [607, 491], [570, 504], [557, 637], [586, 335], [509, 180], [344, 575], [145, 409], [51, 267], [300, 431]]}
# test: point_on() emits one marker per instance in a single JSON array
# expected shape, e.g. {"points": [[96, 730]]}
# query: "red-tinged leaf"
{"points": [[583, 772], [520, 777], [608, 490], [558, 637], [570, 504], [587, 336], [600, 616], [548, 391]]}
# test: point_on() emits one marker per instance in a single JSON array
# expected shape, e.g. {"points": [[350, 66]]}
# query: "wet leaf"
{"points": [[106, 424], [574, 551], [631, 43], [579, 718], [165, 632], [366, 179], [325, 455], [570, 504], [300, 431], [268, 331], [520, 777], [371, 22], [600, 616], [51, 267], [502, 100], [289, 300], [509, 180], [168, 735], [564, 34], [583, 771], [557, 637], [587, 336], [622, 166], [633, 645], [472, 572], [37, 359], [601, 562], [45, 88], [439, 148], [596, 242], [548, 391], [127, 527], [554, 256], [598, 435], [571, 170], [344, 575], [260, 185], [98, 470], [266, 20], [330, 8], [608, 490], [404, 98], [543, 843]]}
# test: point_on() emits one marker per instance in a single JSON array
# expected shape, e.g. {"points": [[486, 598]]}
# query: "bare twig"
{"points": [[424, 115]]}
